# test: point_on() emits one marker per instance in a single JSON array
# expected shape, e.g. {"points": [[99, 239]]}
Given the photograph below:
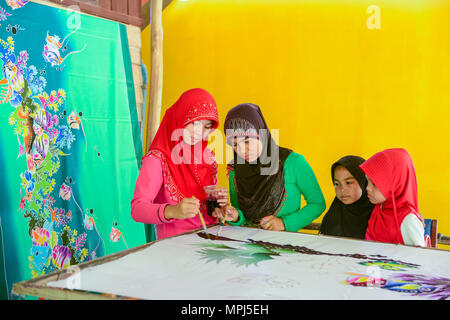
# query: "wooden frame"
{"points": [[38, 286], [443, 239]]}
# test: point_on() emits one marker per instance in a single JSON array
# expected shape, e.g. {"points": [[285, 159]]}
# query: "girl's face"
{"points": [[346, 187], [373, 193], [197, 131], [247, 148]]}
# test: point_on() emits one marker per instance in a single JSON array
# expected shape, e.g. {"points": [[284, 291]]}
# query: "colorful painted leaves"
{"points": [[244, 255]]}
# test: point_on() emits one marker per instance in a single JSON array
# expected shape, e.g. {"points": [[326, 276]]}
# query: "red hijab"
{"points": [[392, 171], [186, 168]]}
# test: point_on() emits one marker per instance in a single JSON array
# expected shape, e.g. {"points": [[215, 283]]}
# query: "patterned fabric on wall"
{"points": [[69, 141]]}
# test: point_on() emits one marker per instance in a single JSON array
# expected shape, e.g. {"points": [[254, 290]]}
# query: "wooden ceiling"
{"points": [[134, 12]]}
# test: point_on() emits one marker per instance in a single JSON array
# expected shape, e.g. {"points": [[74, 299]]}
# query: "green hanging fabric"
{"points": [[70, 146]]}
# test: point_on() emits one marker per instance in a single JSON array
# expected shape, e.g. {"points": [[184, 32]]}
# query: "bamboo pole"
{"points": [[156, 77]]}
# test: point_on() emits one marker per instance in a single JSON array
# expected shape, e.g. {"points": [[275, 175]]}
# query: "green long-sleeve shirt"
{"points": [[299, 179]]}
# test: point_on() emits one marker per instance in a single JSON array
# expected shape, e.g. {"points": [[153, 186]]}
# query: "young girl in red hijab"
{"points": [[169, 189], [392, 187]]}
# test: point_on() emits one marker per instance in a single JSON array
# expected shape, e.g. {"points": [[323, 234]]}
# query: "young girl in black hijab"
{"points": [[350, 211]]}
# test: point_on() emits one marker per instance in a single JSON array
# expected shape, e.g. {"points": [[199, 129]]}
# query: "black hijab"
{"points": [[348, 220], [260, 184]]}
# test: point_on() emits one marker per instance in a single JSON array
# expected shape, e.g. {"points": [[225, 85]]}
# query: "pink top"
{"points": [[151, 197]]}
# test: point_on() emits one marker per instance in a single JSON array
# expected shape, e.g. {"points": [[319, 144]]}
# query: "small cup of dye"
{"points": [[212, 194]]}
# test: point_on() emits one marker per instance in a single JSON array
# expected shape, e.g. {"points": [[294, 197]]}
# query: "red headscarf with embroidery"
{"points": [[184, 174], [392, 171]]}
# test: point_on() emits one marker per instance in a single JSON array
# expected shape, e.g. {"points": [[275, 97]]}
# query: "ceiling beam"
{"points": [[145, 12]]}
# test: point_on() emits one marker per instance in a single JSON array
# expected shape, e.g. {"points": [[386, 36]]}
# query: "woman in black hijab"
{"points": [[350, 211], [267, 181]]}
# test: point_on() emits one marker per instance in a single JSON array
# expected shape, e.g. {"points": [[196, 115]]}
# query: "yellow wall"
{"points": [[330, 84]]}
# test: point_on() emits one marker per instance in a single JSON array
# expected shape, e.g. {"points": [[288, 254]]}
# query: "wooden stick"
{"points": [[156, 77]]}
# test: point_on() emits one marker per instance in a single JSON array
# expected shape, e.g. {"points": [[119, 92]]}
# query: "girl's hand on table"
{"points": [[272, 223]]}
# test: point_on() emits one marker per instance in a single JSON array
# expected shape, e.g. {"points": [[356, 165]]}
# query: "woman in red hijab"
{"points": [[169, 189], [392, 187]]}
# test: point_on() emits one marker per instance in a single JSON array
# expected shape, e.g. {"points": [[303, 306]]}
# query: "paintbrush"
{"points": [[203, 222], [222, 222], [221, 225]]}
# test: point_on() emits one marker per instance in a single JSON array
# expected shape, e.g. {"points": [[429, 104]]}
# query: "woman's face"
{"points": [[247, 148], [346, 186], [197, 131], [373, 193]]}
